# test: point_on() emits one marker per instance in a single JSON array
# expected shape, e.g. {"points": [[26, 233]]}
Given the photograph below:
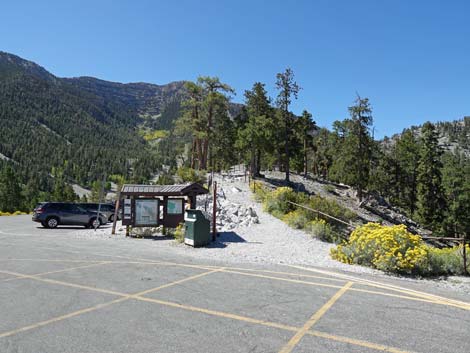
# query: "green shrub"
{"points": [[329, 188], [143, 232], [189, 175], [260, 190], [331, 207], [296, 219], [448, 261], [165, 179], [277, 202], [320, 229]]}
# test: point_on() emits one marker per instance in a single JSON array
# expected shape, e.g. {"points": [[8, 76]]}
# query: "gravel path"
{"points": [[271, 241]]}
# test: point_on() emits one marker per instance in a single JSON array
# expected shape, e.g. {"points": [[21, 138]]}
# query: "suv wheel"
{"points": [[94, 223], [52, 222]]}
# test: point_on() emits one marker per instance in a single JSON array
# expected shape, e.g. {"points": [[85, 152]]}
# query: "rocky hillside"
{"points": [[144, 98], [454, 135]]}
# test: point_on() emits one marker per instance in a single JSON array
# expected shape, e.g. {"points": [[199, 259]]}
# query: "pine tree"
{"points": [[431, 203], [305, 128], [206, 110], [257, 135], [456, 184], [353, 147], [406, 152], [288, 88], [361, 117], [11, 199], [62, 191]]}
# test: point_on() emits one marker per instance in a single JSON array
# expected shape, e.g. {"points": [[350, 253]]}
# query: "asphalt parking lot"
{"points": [[62, 294]]}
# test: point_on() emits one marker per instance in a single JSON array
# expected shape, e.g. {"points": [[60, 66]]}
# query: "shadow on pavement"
{"points": [[223, 238]]}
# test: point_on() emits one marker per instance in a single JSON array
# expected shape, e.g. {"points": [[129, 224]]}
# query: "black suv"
{"points": [[52, 214], [106, 209]]}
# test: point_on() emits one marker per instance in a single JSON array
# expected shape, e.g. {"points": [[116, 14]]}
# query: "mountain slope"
{"points": [[143, 98], [69, 124], [454, 136]]}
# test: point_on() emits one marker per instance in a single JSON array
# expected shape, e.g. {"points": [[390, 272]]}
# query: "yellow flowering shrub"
{"points": [[387, 248], [16, 213]]}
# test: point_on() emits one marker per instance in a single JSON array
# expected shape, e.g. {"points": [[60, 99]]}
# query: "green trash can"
{"points": [[196, 228]]}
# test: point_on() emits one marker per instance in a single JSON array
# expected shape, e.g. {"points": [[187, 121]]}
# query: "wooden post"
{"points": [[192, 202], [214, 211], [98, 212], [116, 213], [127, 231], [465, 271]]}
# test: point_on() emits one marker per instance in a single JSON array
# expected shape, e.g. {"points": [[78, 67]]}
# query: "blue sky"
{"points": [[411, 58]]}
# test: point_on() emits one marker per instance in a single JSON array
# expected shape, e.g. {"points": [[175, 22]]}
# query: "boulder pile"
{"points": [[229, 215]]}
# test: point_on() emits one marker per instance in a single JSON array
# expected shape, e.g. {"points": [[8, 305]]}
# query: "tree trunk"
{"points": [[253, 162], [286, 147], [204, 152], [305, 157], [359, 193], [193, 152]]}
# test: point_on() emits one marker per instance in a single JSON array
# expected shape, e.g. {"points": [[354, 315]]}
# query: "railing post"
{"points": [[214, 211], [464, 241], [116, 213]]}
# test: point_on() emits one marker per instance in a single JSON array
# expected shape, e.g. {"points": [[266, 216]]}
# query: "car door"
{"points": [[73, 215], [81, 215], [66, 213]]}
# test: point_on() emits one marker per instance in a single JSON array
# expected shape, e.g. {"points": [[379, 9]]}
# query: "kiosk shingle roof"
{"points": [[162, 190]]}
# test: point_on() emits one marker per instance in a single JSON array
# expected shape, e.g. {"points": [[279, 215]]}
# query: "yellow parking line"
{"points": [[50, 260], [390, 287], [218, 313], [57, 271], [138, 296], [60, 318], [226, 315], [96, 307], [286, 273], [396, 296], [283, 279], [417, 296], [19, 276], [353, 341], [314, 319], [336, 286], [66, 284], [166, 263], [176, 282]]}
